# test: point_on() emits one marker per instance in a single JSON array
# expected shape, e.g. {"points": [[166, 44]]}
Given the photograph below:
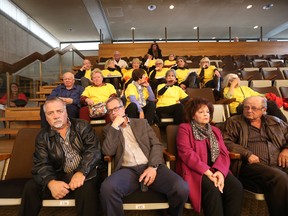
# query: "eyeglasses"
{"points": [[252, 108], [115, 109]]}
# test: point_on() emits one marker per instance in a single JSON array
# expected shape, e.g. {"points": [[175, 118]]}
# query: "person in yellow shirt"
{"points": [[112, 74], [232, 89], [84, 74], [96, 93], [171, 98], [170, 61], [140, 97], [157, 75]]}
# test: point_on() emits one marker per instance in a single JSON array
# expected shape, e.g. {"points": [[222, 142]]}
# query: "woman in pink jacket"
{"points": [[203, 161]]}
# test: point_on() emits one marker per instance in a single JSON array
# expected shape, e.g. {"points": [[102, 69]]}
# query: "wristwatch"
{"points": [[155, 167]]}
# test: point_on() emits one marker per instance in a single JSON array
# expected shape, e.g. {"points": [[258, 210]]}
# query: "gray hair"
{"points": [[262, 99], [115, 98], [172, 71], [228, 78], [53, 99]]}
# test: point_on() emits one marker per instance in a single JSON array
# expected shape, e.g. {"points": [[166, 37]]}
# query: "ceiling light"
{"points": [[171, 7], [213, 38], [249, 6], [195, 27], [132, 28], [255, 27], [151, 7], [267, 7]]}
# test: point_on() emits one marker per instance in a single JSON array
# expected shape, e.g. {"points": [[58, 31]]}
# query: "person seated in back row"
{"points": [[140, 97], [138, 158], [171, 98], [70, 93], [262, 142], [112, 74], [17, 99], [118, 61], [157, 74], [84, 74]]}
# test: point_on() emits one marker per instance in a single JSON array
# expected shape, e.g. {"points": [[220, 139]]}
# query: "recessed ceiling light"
{"points": [[249, 6], [213, 38], [171, 7], [255, 27], [268, 6], [195, 27], [132, 28], [151, 7], [160, 39]]}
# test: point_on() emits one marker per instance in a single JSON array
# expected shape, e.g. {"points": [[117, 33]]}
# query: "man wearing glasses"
{"points": [[262, 142], [138, 158]]}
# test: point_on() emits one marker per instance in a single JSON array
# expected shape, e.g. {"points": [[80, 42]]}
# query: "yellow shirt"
{"points": [[181, 74], [99, 94], [88, 74], [208, 73], [160, 74], [240, 93], [132, 90], [169, 63], [127, 74], [171, 96], [108, 73]]}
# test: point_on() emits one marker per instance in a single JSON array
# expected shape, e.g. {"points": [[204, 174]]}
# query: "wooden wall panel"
{"points": [[197, 48]]}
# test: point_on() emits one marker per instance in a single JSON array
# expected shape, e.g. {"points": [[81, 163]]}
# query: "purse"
{"points": [[97, 110]]}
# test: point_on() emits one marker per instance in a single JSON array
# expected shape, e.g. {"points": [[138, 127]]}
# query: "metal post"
{"points": [[198, 34], [40, 72], [230, 34], [166, 34], [261, 33], [8, 89]]}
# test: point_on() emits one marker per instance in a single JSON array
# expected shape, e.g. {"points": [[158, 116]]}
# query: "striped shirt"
{"points": [[72, 157]]}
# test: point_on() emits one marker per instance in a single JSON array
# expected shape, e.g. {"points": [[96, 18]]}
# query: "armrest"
{"points": [[108, 158], [168, 156], [234, 156], [5, 156], [272, 77]]}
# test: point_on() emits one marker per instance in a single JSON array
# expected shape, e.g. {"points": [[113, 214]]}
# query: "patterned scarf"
{"points": [[202, 133], [141, 98]]}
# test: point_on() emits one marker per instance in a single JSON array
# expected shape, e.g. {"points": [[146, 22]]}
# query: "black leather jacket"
{"points": [[49, 156]]}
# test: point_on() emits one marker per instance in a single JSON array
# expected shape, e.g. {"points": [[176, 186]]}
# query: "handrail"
{"points": [[12, 68]]}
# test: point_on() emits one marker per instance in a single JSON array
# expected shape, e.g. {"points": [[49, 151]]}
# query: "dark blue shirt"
{"points": [[74, 93]]}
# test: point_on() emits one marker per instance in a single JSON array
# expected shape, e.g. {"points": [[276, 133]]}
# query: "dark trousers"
{"points": [[86, 198], [149, 111], [72, 111], [176, 111], [126, 180], [229, 203], [271, 181]]}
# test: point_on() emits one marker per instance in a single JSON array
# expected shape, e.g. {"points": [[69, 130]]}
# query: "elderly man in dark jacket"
{"points": [[66, 159], [262, 142]]}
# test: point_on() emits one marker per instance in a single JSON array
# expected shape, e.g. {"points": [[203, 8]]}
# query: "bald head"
{"points": [[68, 80]]}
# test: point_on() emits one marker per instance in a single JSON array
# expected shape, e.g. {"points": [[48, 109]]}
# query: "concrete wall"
{"points": [[16, 43]]}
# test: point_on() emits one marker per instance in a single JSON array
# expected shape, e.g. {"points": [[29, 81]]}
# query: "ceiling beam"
{"points": [[97, 14], [277, 30]]}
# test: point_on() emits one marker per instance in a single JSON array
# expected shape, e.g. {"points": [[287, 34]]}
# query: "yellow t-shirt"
{"points": [[171, 96], [160, 74], [99, 94], [132, 90], [108, 73], [240, 93], [88, 74], [169, 63], [208, 73], [181, 74]]}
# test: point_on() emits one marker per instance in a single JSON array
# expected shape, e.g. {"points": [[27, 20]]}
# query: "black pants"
{"points": [[149, 111], [271, 181], [126, 180], [176, 111], [229, 203], [86, 198]]}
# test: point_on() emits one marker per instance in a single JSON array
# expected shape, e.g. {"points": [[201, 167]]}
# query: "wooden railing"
{"points": [[197, 48]]}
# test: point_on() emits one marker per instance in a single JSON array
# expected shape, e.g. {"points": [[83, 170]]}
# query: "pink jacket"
{"points": [[192, 160]]}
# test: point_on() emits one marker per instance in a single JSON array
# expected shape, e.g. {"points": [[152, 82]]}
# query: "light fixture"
{"points": [[195, 27], [151, 7], [267, 7], [171, 7], [132, 28], [249, 6], [255, 27]]}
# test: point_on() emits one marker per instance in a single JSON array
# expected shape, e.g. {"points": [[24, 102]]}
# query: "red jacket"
{"points": [[192, 160]]}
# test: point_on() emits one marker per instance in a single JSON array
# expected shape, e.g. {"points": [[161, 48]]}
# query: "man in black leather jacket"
{"points": [[66, 159]]}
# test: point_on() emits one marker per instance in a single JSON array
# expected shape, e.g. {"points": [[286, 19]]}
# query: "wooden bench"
{"points": [[21, 117]]}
